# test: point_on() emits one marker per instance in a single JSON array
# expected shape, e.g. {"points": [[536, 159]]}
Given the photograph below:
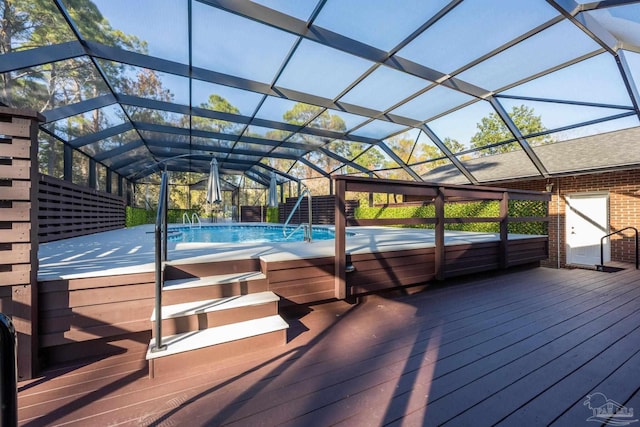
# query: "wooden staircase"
{"points": [[213, 311]]}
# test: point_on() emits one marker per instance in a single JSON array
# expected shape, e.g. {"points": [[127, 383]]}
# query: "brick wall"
{"points": [[624, 209]]}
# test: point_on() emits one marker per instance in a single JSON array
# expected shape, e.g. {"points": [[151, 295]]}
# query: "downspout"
{"points": [[558, 223]]}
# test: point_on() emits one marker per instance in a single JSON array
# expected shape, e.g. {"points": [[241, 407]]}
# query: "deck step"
{"points": [[608, 268], [194, 349], [217, 304], [195, 289], [194, 282], [182, 270], [212, 336], [196, 315]]}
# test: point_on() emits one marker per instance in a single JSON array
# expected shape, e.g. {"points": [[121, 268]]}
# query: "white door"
{"points": [[587, 221]]}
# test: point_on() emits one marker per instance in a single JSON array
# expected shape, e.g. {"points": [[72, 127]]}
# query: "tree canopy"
{"points": [[492, 130], [26, 24]]}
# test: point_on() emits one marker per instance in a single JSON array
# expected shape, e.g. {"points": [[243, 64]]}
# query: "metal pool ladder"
{"points": [[307, 228], [195, 218]]}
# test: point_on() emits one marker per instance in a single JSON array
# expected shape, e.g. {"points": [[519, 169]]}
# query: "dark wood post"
{"points": [[19, 231], [504, 230], [68, 163], [340, 240], [93, 174], [109, 183], [370, 193], [439, 235]]}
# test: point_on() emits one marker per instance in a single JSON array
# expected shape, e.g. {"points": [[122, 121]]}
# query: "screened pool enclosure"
{"points": [[445, 106]]}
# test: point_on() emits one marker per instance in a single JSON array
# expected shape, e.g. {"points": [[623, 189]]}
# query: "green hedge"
{"points": [[520, 208], [174, 216], [139, 216], [273, 214], [487, 209]]}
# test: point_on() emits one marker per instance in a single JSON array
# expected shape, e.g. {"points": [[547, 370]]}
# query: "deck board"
{"points": [[524, 347]]}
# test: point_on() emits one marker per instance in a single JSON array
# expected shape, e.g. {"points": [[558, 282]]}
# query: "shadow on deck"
{"points": [[522, 347]]}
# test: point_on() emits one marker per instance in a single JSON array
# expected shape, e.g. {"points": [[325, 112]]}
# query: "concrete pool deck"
{"points": [[131, 250]]}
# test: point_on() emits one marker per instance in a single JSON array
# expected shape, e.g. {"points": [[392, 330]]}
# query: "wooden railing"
{"points": [[322, 206], [439, 196]]}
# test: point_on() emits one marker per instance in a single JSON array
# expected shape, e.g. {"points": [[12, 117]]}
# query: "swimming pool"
{"points": [[237, 233]]}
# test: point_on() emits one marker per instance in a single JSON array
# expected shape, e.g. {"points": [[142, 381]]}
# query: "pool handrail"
{"points": [[195, 218], [160, 258], [305, 231], [185, 219], [308, 230]]}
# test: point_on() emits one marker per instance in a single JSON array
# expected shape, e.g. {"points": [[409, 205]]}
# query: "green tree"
{"points": [[312, 115], [216, 103], [404, 147], [315, 117], [29, 24], [453, 145], [305, 113], [419, 154], [183, 195], [492, 130], [301, 114]]}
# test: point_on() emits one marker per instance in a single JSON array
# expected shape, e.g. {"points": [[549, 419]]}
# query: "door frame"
{"points": [[567, 227]]}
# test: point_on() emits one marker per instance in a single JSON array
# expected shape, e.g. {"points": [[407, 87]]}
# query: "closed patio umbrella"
{"points": [[273, 192], [214, 193]]}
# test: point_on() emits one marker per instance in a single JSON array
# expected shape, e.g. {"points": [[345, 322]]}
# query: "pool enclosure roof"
{"points": [[311, 88]]}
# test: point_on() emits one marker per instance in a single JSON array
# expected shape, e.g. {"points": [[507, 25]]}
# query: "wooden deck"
{"points": [[522, 347], [95, 298]]}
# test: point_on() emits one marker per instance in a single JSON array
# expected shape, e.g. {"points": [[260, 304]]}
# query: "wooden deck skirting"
{"points": [[520, 347], [439, 195], [94, 316]]}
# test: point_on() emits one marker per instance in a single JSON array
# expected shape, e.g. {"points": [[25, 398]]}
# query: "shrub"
{"points": [[139, 216], [174, 216], [135, 216], [482, 209], [273, 214]]}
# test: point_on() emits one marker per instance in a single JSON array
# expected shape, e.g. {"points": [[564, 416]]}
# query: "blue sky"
{"points": [[225, 43]]}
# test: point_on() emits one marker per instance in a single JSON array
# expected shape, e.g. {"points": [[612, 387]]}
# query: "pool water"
{"points": [[244, 234]]}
